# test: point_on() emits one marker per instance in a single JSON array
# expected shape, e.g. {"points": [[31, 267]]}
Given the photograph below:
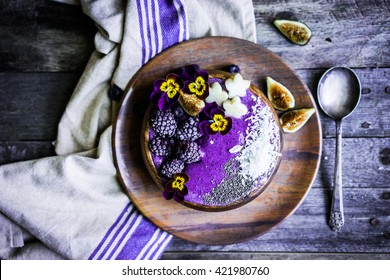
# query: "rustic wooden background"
{"points": [[44, 47]]}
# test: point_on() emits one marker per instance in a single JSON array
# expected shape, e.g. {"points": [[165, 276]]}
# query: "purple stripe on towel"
{"points": [[143, 234], [169, 21], [184, 16], [149, 31], [110, 230], [154, 21], [141, 28], [114, 237]]}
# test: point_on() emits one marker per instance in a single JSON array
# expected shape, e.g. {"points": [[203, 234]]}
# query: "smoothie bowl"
{"points": [[210, 140]]}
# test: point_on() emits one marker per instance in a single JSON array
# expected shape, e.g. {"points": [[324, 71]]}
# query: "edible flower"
{"points": [[166, 91], [234, 108], [216, 94], [237, 86], [195, 81], [176, 187], [215, 120]]}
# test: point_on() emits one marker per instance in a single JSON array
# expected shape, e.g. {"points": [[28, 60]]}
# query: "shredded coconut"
{"points": [[259, 154], [235, 149]]}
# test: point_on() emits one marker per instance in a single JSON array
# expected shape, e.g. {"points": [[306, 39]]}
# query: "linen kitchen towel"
{"points": [[71, 206]]}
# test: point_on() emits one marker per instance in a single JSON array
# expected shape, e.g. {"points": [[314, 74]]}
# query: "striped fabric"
{"points": [[163, 23], [131, 237]]}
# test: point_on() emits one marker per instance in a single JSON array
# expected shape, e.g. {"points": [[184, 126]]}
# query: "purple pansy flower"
{"points": [[195, 81], [166, 91], [176, 187], [214, 120]]}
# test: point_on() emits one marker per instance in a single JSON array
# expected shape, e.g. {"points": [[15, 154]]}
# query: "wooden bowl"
{"points": [[148, 159], [291, 183]]}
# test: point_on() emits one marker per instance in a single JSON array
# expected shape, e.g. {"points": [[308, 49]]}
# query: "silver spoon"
{"points": [[339, 92]]}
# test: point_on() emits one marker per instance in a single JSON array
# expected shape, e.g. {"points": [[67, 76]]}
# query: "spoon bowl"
{"points": [[338, 93]]}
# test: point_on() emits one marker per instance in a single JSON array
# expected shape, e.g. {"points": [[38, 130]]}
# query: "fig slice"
{"points": [[294, 120], [297, 32], [279, 95], [191, 104]]}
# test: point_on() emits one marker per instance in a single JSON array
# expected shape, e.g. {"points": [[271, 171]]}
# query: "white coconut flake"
{"points": [[235, 149], [259, 155]]}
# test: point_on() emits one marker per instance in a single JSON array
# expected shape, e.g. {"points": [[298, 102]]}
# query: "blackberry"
{"points": [[188, 151], [161, 146], [163, 123], [172, 167], [189, 130]]}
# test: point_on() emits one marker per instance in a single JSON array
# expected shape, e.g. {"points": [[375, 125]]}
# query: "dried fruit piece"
{"points": [[191, 104], [293, 120], [297, 32], [280, 96]]}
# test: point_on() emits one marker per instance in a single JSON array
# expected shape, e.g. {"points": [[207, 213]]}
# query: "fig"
{"points": [[279, 96], [292, 121], [191, 104], [297, 32]]}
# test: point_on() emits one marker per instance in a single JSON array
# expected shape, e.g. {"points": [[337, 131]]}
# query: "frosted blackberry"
{"points": [[161, 146], [189, 130], [172, 167], [163, 123], [188, 151]]}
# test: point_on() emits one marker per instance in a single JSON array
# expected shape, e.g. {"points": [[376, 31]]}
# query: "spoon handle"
{"points": [[336, 220]]}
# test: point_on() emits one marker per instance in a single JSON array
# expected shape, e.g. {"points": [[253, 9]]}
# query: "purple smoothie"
{"points": [[209, 173]]}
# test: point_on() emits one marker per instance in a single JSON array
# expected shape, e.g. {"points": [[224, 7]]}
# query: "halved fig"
{"points": [[297, 32], [280, 96], [292, 121], [191, 104]]}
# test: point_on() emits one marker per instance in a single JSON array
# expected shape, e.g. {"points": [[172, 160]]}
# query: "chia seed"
{"points": [[232, 188]]}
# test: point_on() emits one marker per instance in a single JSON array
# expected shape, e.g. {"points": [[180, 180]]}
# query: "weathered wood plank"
{"points": [[31, 104], [270, 256], [366, 229], [350, 33], [19, 151], [363, 159], [42, 35]]}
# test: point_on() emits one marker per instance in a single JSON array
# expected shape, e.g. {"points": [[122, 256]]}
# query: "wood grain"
{"points": [[345, 33], [307, 230], [15, 151], [301, 151], [31, 104], [31, 27], [238, 255], [42, 35]]}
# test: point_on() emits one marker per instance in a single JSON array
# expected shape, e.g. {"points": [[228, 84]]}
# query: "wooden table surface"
{"points": [[44, 47]]}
